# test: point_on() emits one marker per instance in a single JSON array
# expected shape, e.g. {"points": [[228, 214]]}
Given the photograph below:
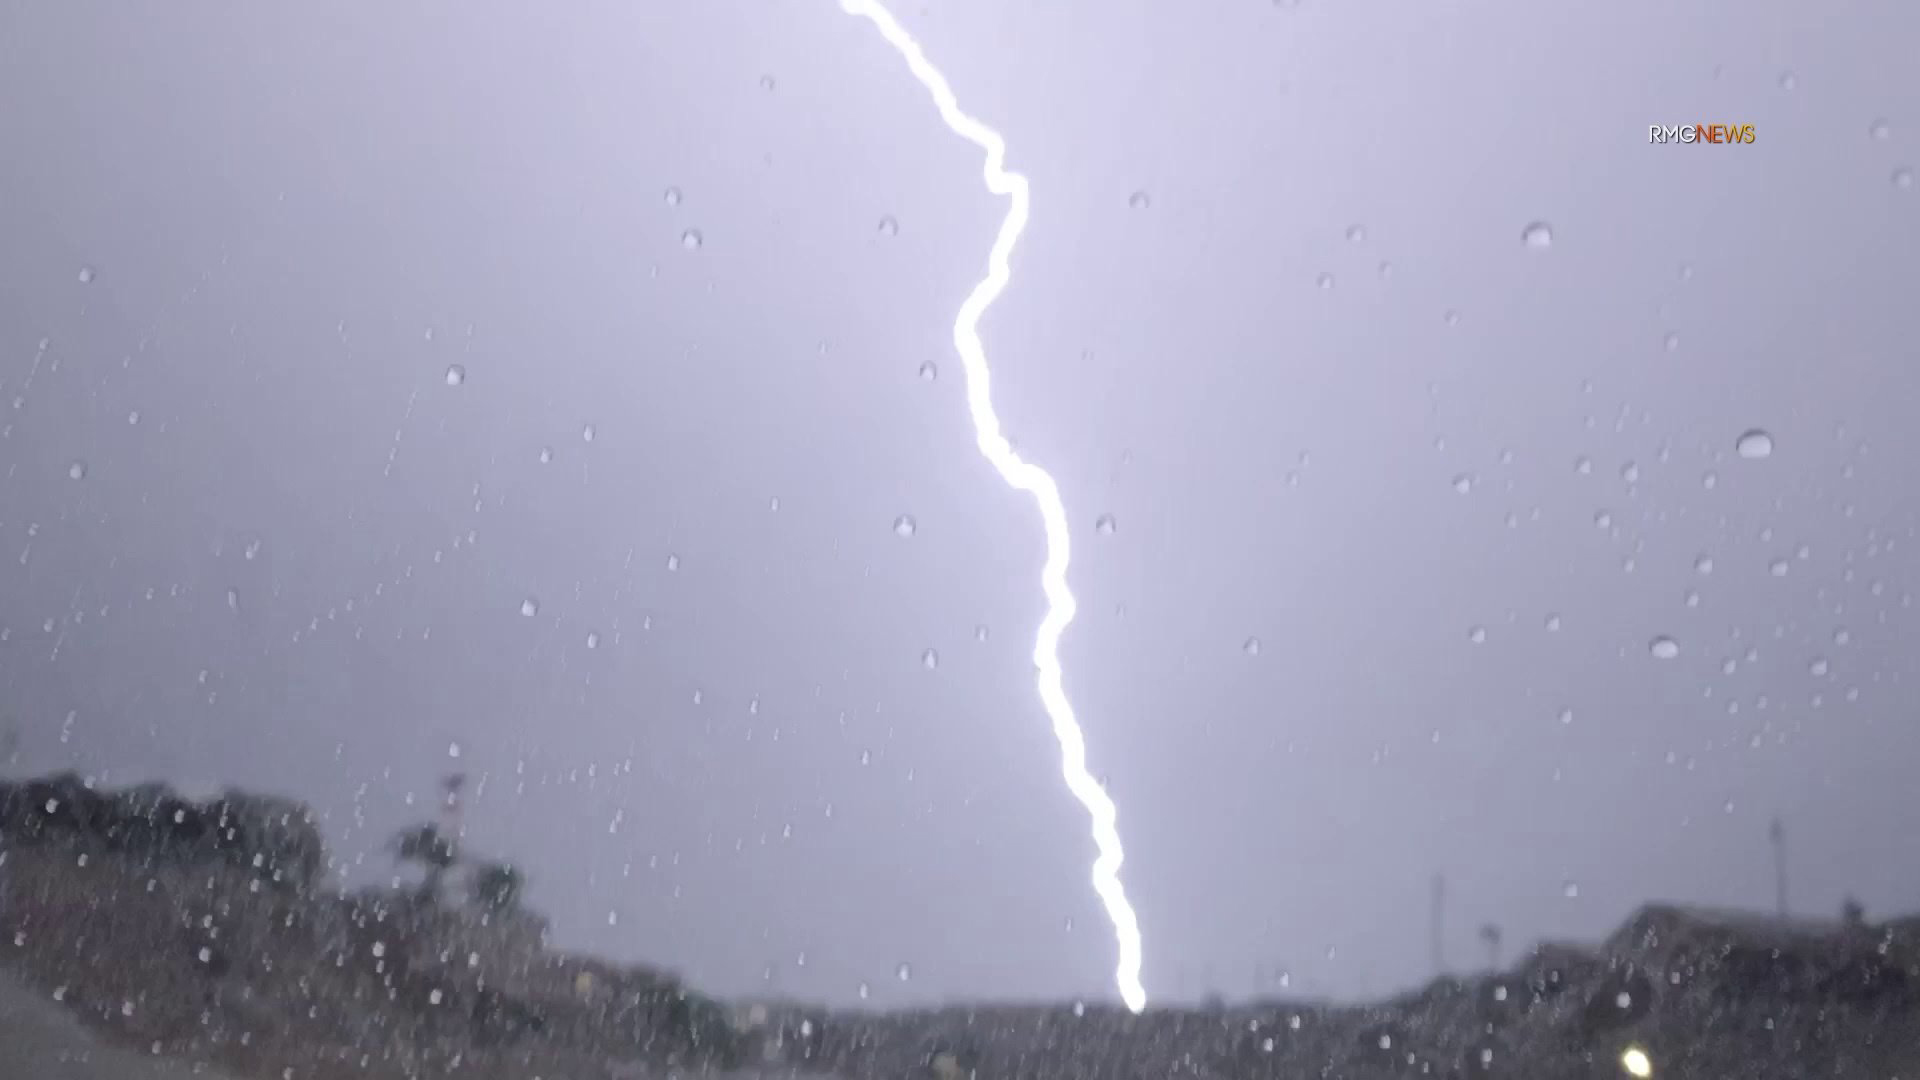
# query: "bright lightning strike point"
{"points": [[1032, 479]]}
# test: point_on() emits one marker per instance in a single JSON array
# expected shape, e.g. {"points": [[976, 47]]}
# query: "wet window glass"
{"points": [[867, 538]]}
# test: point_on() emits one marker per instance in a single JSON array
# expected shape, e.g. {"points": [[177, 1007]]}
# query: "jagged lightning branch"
{"points": [[1030, 478]]}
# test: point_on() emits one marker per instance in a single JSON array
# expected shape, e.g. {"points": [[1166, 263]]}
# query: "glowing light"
{"points": [[1636, 1062], [1030, 478]]}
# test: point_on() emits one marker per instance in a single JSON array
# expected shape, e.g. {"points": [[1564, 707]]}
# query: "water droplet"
{"points": [[1710, 481], [1452, 317], [1880, 130], [1477, 635], [1818, 666], [1903, 178], [529, 607], [86, 275], [546, 455], [1602, 520], [928, 372], [1570, 889], [1553, 621], [593, 640], [766, 83], [1672, 342], [1703, 564], [1356, 234], [1663, 648], [691, 239], [903, 972], [980, 632], [1139, 200], [1104, 525], [1583, 466], [889, 227], [1841, 636], [672, 196], [456, 375], [1325, 281], [673, 562], [1778, 568], [904, 526], [77, 471], [1463, 483], [1787, 81], [1630, 473], [1538, 235], [864, 991], [587, 433], [930, 660], [1251, 646], [1754, 444], [1566, 716]]}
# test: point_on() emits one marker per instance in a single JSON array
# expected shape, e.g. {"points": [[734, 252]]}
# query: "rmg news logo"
{"points": [[1700, 133]]}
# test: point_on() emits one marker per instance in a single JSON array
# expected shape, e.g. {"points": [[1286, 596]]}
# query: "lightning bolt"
{"points": [[1032, 479]]}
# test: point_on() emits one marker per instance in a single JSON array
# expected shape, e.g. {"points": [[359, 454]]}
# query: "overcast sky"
{"points": [[636, 562]]}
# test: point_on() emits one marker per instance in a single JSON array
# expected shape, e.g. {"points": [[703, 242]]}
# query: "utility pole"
{"points": [[1438, 928], [1777, 833]]}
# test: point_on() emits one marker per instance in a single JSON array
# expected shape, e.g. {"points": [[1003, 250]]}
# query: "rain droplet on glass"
{"points": [[456, 375], [691, 239], [529, 607], [889, 226], [1104, 525], [930, 660], [1663, 648], [1538, 235], [1754, 444], [904, 526]]}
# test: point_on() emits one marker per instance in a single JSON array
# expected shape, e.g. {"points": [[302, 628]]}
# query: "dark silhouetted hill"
{"points": [[205, 932]]}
